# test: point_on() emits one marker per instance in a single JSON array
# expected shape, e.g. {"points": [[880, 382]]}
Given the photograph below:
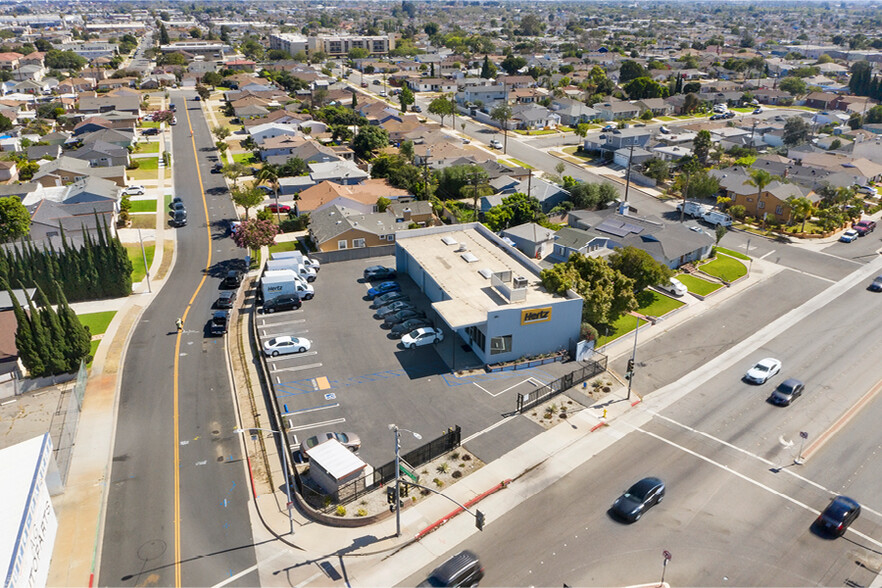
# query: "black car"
{"points": [[839, 514], [876, 286], [150, 131], [226, 299], [379, 272], [416, 108], [403, 315], [232, 280], [217, 168], [639, 498], [402, 329], [177, 203], [463, 569], [787, 391], [283, 302], [219, 322], [179, 218], [172, 107], [389, 298]]}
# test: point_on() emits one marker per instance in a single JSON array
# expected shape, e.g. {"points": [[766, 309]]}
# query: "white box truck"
{"points": [[294, 265], [277, 282], [309, 262], [694, 209], [717, 218]]}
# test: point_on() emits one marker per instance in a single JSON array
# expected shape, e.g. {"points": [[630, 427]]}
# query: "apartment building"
{"points": [[339, 45]]}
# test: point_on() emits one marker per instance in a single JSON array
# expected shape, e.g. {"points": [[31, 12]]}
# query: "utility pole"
{"points": [[426, 172], [505, 122], [628, 173], [630, 371], [394, 428], [475, 195]]}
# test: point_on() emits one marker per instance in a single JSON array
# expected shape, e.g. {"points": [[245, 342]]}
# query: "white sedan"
{"points": [[422, 336], [848, 236], [763, 370], [283, 345], [675, 287], [134, 191]]}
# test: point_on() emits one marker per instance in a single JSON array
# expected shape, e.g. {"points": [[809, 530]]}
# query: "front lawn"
{"points": [[134, 251], [565, 129], [150, 124], [147, 163], [624, 325], [143, 206], [284, 246], [97, 321], [725, 267], [666, 118], [699, 286], [149, 147], [654, 304], [143, 221], [246, 158], [145, 174], [536, 132], [731, 253], [521, 163]]}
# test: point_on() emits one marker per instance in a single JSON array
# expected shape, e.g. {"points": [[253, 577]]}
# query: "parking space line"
{"points": [[290, 355], [321, 383], [264, 317], [532, 380], [482, 388], [266, 325], [313, 409], [284, 332], [488, 429], [295, 369], [316, 425]]}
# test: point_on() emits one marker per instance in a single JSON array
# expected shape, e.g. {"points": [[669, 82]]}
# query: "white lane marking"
{"points": [[488, 429], [752, 481], [482, 388], [307, 581], [297, 368], [266, 325], [289, 332], [248, 570], [309, 410], [531, 380], [767, 254], [317, 425], [291, 355]]}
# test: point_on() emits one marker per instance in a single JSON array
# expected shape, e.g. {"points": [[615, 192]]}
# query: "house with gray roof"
{"points": [[549, 195], [572, 112], [102, 154], [342, 172], [533, 116], [618, 138], [333, 229], [535, 241], [771, 202]]}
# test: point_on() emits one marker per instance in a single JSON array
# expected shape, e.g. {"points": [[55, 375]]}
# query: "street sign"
{"points": [[667, 555], [803, 434], [290, 505]]}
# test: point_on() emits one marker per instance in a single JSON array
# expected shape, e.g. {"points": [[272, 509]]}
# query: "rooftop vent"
{"points": [[486, 272], [519, 282], [462, 247], [448, 240], [469, 257]]}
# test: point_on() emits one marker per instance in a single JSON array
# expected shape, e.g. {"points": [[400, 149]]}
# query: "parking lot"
{"points": [[357, 378]]}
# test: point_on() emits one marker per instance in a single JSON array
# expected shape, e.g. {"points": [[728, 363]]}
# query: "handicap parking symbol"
{"points": [[330, 396]]}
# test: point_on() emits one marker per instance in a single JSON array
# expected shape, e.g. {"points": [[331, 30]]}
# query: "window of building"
{"points": [[500, 344], [390, 237], [357, 243], [761, 205], [477, 336], [342, 244], [779, 209]]}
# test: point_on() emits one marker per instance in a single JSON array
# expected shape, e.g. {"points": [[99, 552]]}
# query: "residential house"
{"points": [[308, 151], [533, 116], [432, 85], [102, 154], [618, 138], [121, 137], [418, 212], [569, 240], [35, 152], [516, 81], [618, 110], [75, 85], [772, 96], [342, 172], [632, 154], [820, 100], [573, 112], [108, 102], [534, 241], [361, 197], [657, 106], [332, 229], [260, 133], [772, 201], [8, 171], [67, 170], [481, 95], [549, 195], [32, 87], [10, 61], [29, 72]]}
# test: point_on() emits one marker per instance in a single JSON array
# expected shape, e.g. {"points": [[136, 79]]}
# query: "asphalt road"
{"points": [[180, 420], [737, 511]]}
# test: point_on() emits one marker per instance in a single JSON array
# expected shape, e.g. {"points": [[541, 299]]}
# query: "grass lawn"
{"points": [[246, 158], [725, 267], [699, 286], [731, 253], [134, 251], [574, 151], [620, 328], [151, 147], [665, 118], [143, 221], [565, 129], [536, 132], [521, 163], [284, 246], [97, 321], [655, 304], [150, 124], [143, 206], [145, 174], [147, 163]]}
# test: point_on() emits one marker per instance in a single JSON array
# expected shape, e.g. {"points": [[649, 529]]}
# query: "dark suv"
{"points": [[219, 321], [232, 280], [463, 569], [283, 302]]}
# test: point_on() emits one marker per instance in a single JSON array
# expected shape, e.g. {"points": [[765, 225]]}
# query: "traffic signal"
{"points": [[390, 494], [630, 365], [404, 490], [479, 520]]}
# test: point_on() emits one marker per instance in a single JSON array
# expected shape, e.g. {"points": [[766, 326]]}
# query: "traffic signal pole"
{"points": [[633, 357]]}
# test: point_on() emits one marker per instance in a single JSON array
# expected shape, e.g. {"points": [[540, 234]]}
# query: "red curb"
{"points": [[458, 510], [251, 475], [597, 426], [635, 403], [91, 579]]}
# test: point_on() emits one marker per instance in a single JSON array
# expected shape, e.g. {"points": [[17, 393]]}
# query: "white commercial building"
{"points": [[293, 44]]}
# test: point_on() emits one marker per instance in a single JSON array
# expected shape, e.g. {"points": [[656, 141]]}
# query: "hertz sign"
{"points": [[536, 315]]}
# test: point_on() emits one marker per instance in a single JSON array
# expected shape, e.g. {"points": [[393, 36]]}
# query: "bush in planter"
{"points": [[341, 511]]}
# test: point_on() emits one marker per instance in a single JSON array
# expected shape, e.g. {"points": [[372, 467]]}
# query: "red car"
{"points": [[864, 227], [282, 208]]}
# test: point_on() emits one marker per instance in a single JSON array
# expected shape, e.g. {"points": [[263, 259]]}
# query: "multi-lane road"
{"points": [[177, 502]]}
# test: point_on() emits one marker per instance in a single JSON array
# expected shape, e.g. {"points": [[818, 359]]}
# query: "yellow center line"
{"points": [[177, 433]]}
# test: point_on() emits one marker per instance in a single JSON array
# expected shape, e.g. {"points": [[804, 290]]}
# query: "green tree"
{"points": [[221, 132], [405, 98], [516, 209], [24, 337], [78, 339], [256, 233], [27, 169], [702, 185], [441, 107], [640, 267], [501, 113], [691, 103], [796, 131], [234, 171], [383, 204], [874, 115], [15, 220], [56, 59], [645, 87], [358, 53], [593, 195], [793, 85], [801, 208], [5, 123], [720, 232], [607, 293], [369, 139], [293, 166], [212, 79], [247, 198], [57, 343], [630, 70], [269, 174], [406, 150], [657, 169], [581, 129], [488, 69], [512, 63], [221, 146], [203, 91], [760, 178], [454, 181], [701, 145], [530, 26], [163, 35]]}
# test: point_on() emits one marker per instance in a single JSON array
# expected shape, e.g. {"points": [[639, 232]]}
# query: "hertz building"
{"points": [[488, 293]]}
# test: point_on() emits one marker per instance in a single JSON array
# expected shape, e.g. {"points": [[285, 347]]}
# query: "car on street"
{"points": [[134, 191], [463, 569], [496, 144], [787, 391], [197, 99], [392, 308], [864, 227], [876, 286], [422, 336], [217, 168], [388, 298], [757, 110], [377, 82], [174, 120], [664, 130], [763, 370], [729, 114], [172, 107], [234, 226], [675, 287], [839, 514], [403, 315], [220, 320], [225, 299], [364, 84], [379, 272], [849, 235], [409, 326], [282, 302], [280, 208], [637, 499], [350, 441], [382, 94], [286, 344], [383, 288], [232, 280], [416, 108]]}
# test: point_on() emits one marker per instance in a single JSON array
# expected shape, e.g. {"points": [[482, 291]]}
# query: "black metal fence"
{"points": [[590, 368], [350, 254], [425, 453]]}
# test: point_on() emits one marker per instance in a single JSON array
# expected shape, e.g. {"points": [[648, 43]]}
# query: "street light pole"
{"points": [[285, 466], [633, 358], [394, 428]]}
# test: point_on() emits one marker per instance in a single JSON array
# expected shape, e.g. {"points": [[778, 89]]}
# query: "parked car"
{"points": [[232, 280], [217, 168], [608, 128], [177, 203], [763, 370], [409, 326], [388, 298], [379, 272], [787, 391], [234, 226], [664, 130], [716, 117], [280, 208], [757, 110], [639, 498], [463, 569], [174, 120], [220, 320], [869, 190], [350, 441], [285, 344], [729, 114], [403, 315], [392, 308], [134, 191], [839, 514], [172, 107], [225, 299], [377, 82], [876, 286], [364, 84], [496, 144], [150, 131], [416, 108], [864, 227], [383, 288], [849, 235], [282, 302], [197, 99], [675, 287], [422, 336], [382, 94]]}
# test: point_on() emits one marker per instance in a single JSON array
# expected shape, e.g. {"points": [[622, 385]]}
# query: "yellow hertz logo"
{"points": [[535, 315]]}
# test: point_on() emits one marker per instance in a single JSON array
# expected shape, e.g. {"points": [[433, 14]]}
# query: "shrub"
{"points": [[442, 469], [454, 456], [341, 511], [457, 474], [438, 482], [737, 211], [466, 457], [359, 513]]}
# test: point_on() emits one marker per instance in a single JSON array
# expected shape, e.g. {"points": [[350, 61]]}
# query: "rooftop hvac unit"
{"points": [[462, 247], [519, 282]]}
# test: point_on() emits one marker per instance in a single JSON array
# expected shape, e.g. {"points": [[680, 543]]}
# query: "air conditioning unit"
{"points": [[519, 282]]}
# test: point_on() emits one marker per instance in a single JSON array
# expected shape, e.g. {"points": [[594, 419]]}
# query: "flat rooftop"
{"points": [[443, 256]]}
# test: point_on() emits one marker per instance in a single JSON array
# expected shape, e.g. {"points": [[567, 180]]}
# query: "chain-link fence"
{"points": [[65, 421]]}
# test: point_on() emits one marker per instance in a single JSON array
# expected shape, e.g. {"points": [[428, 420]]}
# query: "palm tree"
{"points": [[800, 208], [269, 174], [760, 178], [502, 114]]}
